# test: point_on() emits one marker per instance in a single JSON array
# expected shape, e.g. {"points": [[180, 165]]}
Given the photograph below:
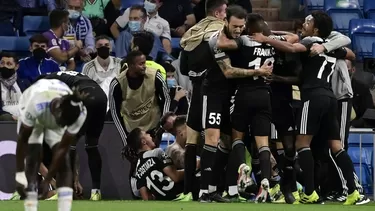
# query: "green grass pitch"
{"points": [[182, 206]]}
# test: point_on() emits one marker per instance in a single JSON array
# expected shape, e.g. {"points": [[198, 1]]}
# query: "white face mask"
{"points": [[149, 7], [73, 14]]}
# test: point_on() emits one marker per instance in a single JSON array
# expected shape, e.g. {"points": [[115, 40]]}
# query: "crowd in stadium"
{"points": [[255, 114]]}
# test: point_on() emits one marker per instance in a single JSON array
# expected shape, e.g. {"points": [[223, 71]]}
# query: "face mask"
{"points": [[103, 52], [39, 54], [171, 82], [6, 72], [73, 14], [134, 26], [150, 7]]}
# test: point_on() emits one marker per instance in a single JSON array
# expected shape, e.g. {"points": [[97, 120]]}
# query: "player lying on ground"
{"points": [[49, 109]]}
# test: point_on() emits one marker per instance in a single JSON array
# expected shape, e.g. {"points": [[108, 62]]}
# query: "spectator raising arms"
{"points": [[38, 64], [59, 49]]}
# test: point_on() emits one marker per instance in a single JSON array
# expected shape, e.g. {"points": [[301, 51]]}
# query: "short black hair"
{"points": [[254, 23], [236, 11], [134, 139], [164, 118], [141, 8], [323, 22], [144, 40], [102, 37], [57, 18], [10, 55], [180, 120], [298, 24], [38, 38], [132, 55], [71, 106], [169, 68], [212, 5]]}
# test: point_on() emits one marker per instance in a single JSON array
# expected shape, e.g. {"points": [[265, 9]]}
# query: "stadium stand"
{"points": [[128, 3], [315, 5], [364, 175], [341, 16], [369, 9], [373, 50], [362, 33], [19, 45], [35, 24]]}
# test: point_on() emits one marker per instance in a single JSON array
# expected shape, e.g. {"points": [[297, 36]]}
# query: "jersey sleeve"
{"points": [[338, 53], [76, 126], [29, 113], [217, 53], [163, 157], [307, 42], [141, 182]]}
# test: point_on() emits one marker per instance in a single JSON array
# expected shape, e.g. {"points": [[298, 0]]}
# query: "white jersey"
{"points": [[35, 105]]}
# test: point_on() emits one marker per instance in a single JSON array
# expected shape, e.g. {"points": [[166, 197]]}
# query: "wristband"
{"points": [[21, 178]]}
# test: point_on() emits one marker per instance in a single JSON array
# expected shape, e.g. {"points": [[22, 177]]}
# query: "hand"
{"points": [[78, 189], [265, 69], [316, 49], [89, 50], [180, 94], [78, 44], [259, 37], [180, 31], [44, 189], [269, 79], [85, 57]]}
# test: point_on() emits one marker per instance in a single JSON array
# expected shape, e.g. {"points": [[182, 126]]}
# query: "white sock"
{"points": [[233, 190], [93, 191], [211, 189], [201, 192], [65, 198], [31, 201]]}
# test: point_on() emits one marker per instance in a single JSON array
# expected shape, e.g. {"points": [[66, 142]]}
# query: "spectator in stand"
{"points": [[94, 10], [154, 23], [138, 18], [11, 87], [179, 14], [104, 67], [8, 11], [80, 28], [38, 64], [111, 13], [58, 48], [38, 4]]}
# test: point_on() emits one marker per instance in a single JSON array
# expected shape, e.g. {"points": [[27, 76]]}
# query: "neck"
{"points": [[151, 15], [132, 74], [145, 148], [58, 32], [180, 142], [103, 62]]}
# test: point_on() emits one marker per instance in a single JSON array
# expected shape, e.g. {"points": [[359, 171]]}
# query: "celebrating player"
{"points": [[49, 110]]}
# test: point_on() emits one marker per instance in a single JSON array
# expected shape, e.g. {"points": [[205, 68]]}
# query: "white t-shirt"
{"points": [[35, 105], [10, 99]]}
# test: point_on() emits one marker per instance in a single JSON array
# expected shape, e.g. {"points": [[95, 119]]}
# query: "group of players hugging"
{"points": [[242, 75]]}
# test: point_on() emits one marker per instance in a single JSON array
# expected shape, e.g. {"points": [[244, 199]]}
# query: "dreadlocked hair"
{"points": [[130, 151], [71, 105]]}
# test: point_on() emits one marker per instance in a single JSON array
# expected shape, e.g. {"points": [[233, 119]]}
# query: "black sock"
{"points": [[190, 167], [220, 162], [207, 161], [95, 165], [265, 162], [256, 169], [236, 158], [346, 165], [289, 175], [306, 162]]}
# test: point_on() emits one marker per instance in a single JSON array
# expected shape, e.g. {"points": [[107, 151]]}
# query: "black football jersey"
{"points": [[252, 55], [72, 79], [149, 173]]}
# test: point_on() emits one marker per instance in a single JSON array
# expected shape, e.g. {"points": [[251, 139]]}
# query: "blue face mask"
{"points": [[150, 7], [73, 14], [134, 26], [171, 82]]}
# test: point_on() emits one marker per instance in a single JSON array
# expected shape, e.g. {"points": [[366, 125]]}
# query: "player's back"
{"points": [[316, 70], [36, 100], [149, 173], [252, 55], [72, 79]]}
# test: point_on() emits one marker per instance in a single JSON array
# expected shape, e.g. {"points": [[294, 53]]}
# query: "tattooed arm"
{"points": [[234, 72], [177, 155]]}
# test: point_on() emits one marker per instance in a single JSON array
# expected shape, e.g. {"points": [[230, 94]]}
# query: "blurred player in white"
{"points": [[49, 111]]}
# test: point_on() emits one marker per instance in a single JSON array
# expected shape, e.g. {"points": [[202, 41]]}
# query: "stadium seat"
{"points": [[362, 33], [365, 178], [128, 3], [35, 24], [176, 43], [19, 45], [355, 138], [315, 5], [167, 139], [356, 154], [369, 8], [341, 16], [373, 50]]}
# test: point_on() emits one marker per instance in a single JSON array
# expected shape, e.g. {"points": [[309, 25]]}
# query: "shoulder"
{"points": [[89, 64], [24, 60], [51, 61], [157, 152], [247, 41]]}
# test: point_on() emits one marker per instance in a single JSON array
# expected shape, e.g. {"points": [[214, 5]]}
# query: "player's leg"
{"points": [[308, 124], [33, 160], [211, 122], [96, 113], [193, 130], [64, 175], [260, 127], [341, 157]]}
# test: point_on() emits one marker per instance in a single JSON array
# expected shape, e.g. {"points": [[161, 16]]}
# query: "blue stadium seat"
{"points": [[373, 50], [19, 45], [366, 178], [367, 139], [355, 154], [128, 3], [315, 4], [342, 16], [35, 24], [369, 8], [176, 43], [168, 138], [362, 33], [361, 2]]}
